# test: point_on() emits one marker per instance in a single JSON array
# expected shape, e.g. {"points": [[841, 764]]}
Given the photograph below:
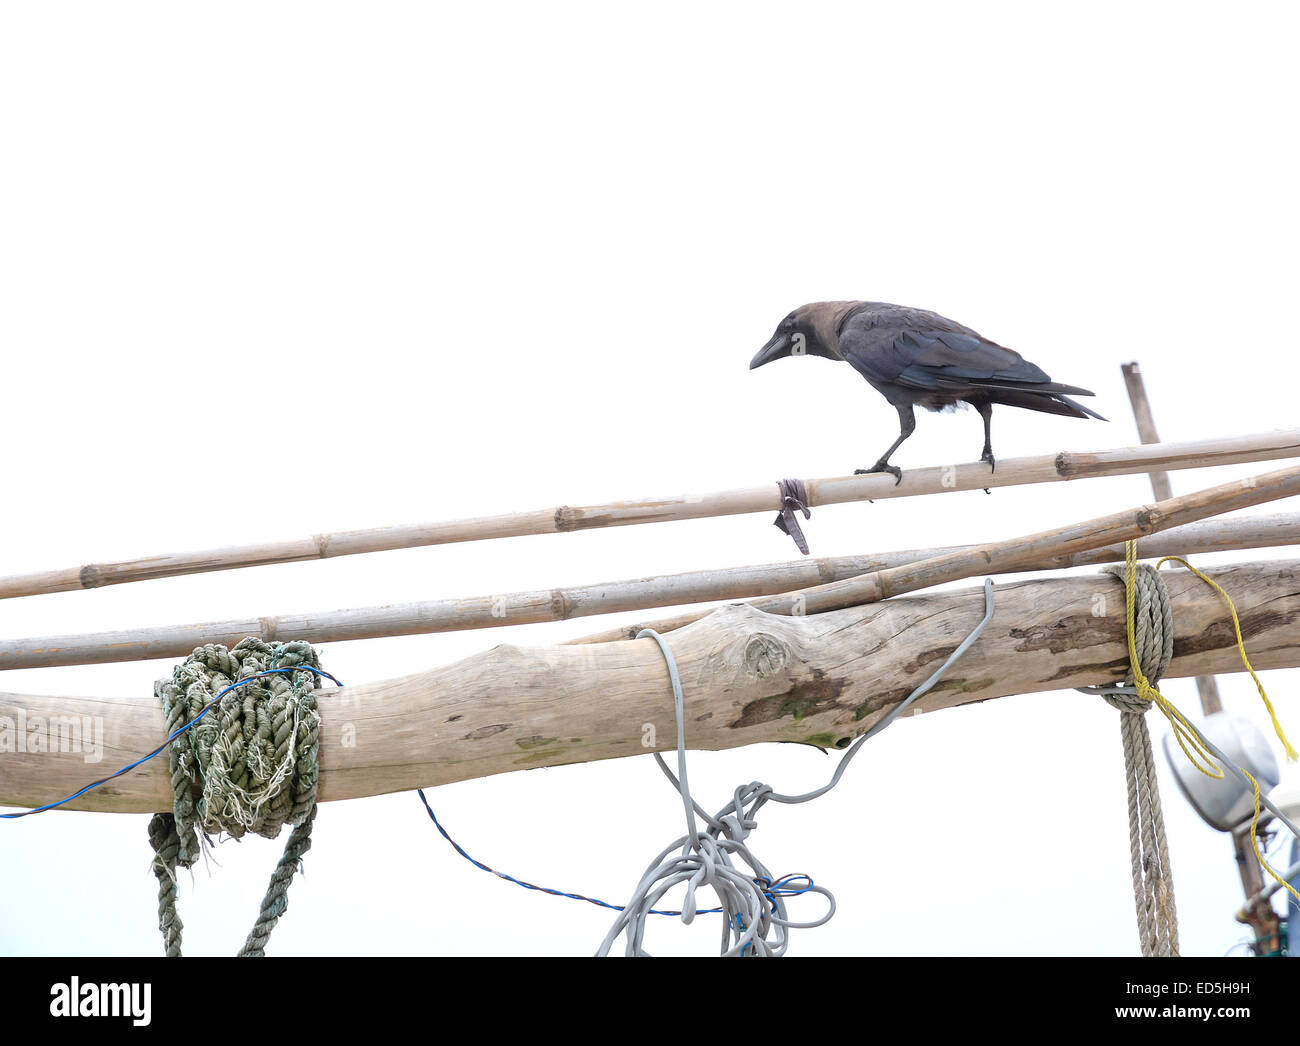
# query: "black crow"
{"points": [[914, 357]]}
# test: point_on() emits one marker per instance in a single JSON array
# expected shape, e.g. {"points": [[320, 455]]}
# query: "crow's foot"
{"points": [[882, 466], [988, 456]]}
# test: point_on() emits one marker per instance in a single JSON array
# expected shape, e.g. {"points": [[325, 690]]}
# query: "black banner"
{"points": [[143, 996]]}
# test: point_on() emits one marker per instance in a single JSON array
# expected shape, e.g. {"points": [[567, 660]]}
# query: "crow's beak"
{"points": [[778, 347]]}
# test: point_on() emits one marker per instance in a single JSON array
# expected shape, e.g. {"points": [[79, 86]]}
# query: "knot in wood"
{"points": [[765, 655]]}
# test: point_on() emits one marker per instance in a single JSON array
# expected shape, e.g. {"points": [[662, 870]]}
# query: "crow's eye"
{"points": [[787, 324]]}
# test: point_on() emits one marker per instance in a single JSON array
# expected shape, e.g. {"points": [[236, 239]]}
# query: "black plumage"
{"points": [[917, 358]]}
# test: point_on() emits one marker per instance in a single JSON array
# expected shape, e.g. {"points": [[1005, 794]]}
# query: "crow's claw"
{"points": [[881, 466], [894, 471]]}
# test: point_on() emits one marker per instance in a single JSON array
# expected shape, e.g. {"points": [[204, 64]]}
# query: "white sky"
{"points": [[274, 269]]}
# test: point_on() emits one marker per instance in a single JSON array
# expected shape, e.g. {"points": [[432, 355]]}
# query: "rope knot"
{"points": [[244, 731], [1125, 702], [1153, 626], [794, 499]]}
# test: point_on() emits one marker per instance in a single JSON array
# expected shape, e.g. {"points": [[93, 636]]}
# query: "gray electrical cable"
{"points": [[1264, 800], [1272, 888], [753, 905]]}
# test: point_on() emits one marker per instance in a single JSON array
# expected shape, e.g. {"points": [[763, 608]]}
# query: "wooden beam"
{"points": [[749, 677], [1046, 468]]}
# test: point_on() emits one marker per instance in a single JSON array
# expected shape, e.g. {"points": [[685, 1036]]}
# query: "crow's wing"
{"points": [[925, 352]]}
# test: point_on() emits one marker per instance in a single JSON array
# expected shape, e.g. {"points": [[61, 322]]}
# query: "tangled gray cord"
{"points": [[752, 909], [1153, 883], [254, 758]]}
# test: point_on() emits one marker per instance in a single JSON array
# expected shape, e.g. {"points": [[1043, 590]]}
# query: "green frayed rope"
{"points": [[253, 759]]}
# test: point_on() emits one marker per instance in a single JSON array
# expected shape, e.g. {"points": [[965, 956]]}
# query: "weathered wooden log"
{"points": [[1046, 468], [748, 677]]}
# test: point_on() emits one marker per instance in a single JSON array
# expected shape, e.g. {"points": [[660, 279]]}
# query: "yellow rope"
{"points": [[1183, 733], [1241, 648], [1254, 821]]}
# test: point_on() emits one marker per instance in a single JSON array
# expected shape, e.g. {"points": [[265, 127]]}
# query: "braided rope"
{"points": [[1153, 885], [253, 758]]}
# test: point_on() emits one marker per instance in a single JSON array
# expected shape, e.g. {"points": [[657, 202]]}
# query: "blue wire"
{"points": [[145, 759], [781, 888]]}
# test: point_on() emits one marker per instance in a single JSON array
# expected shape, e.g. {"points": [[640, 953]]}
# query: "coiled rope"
{"points": [[253, 759], [752, 903], [1152, 630]]}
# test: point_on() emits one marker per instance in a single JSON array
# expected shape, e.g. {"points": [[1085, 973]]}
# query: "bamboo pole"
{"points": [[561, 604], [749, 677], [1047, 468], [1005, 556]]}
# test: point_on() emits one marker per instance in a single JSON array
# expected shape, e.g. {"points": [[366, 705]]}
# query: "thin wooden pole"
{"points": [[749, 677], [1007, 556], [1077, 546], [1260, 916], [1047, 468], [1162, 488], [1146, 424]]}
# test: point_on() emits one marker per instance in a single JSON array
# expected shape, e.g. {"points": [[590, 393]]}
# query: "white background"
{"points": [[274, 269]]}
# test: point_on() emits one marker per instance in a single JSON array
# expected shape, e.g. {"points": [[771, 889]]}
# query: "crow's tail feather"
{"points": [[1079, 406], [1046, 402]]}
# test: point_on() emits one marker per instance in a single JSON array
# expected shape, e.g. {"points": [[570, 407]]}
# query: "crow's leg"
{"points": [[906, 425], [986, 412]]}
